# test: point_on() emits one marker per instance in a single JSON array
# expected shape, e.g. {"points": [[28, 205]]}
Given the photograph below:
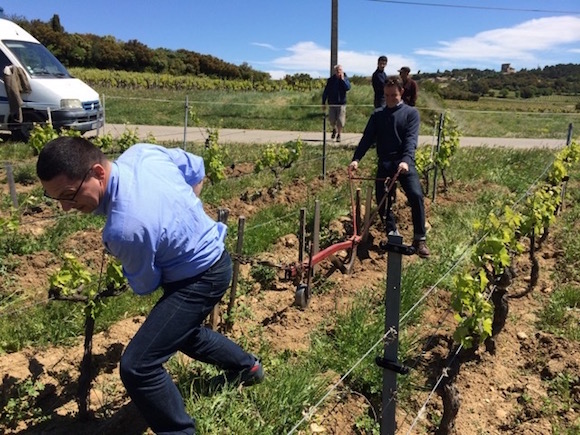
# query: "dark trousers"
{"points": [[175, 323], [411, 185]]}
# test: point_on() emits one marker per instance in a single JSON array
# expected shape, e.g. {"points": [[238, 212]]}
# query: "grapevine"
{"points": [[128, 138], [74, 282], [145, 80], [104, 142], [473, 311], [279, 157], [501, 241], [41, 134], [426, 160], [493, 254], [214, 155]]}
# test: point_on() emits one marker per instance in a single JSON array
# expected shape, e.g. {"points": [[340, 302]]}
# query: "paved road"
{"points": [[229, 135]]}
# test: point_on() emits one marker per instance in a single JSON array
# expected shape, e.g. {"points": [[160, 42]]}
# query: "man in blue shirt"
{"points": [[335, 93], [395, 130], [157, 228]]}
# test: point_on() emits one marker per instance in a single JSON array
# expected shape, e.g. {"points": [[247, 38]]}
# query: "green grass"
{"points": [[272, 407], [59, 322], [513, 170], [544, 117], [552, 103], [568, 268], [562, 314]]}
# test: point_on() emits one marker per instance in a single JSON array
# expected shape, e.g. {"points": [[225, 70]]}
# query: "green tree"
{"points": [[55, 24]]}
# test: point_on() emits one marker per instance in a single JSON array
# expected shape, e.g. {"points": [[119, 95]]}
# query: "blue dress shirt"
{"points": [[156, 225]]}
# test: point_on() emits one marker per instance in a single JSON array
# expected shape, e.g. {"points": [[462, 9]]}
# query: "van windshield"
{"points": [[36, 59]]}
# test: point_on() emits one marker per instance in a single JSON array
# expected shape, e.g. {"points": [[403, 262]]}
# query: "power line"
{"points": [[489, 8]]}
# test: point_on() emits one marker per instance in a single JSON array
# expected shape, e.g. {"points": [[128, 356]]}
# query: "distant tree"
{"points": [[249, 73], [528, 92], [55, 24], [107, 53], [160, 61], [478, 87], [191, 60], [430, 87], [176, 65], [137, 56]]}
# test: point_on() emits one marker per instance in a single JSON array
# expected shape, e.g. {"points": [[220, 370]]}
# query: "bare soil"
{"points": [[501, 393]]}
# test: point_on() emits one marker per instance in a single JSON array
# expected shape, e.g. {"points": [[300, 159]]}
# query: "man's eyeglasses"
{"points": [[69, 198]]}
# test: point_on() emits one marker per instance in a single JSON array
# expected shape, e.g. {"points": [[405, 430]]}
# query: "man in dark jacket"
{"points": [[410, 88], [395, 129], [335, 93], [378, 82]]}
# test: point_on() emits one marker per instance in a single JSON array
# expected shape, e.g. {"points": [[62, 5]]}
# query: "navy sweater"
{"points": [[378, 82], [396, 132], [335, 90]]}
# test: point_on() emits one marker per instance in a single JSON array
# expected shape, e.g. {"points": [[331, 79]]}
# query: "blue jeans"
{"points": [[175, 324], [412, 187]]}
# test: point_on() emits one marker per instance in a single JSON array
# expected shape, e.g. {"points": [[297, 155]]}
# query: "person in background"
{"points": [[395, 129], [411, 90], [334, 92], [378, 82], [157, 227]]}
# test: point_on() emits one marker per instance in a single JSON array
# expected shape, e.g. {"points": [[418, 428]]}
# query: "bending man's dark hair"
{"points": [[71, 156]]}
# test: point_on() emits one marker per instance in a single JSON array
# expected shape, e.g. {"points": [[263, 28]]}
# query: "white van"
{"points": [[54, 94]]}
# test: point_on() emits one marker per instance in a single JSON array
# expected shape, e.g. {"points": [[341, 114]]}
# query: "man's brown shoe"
{"points": [[421, 248]]}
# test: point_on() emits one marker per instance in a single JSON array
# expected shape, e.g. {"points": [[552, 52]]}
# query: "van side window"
{"points": [[4, 62]]}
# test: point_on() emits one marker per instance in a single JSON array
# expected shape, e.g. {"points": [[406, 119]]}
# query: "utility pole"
{"points": [[334, 37]]}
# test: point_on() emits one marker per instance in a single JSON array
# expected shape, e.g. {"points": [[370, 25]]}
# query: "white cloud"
{"points": [[264, 45], [524, 43], [310, 58]]}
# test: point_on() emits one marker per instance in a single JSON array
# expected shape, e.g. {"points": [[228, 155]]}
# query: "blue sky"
{"points": [[294, 37]]}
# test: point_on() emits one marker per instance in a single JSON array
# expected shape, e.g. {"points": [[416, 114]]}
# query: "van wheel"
{"points": [[21, 132]]}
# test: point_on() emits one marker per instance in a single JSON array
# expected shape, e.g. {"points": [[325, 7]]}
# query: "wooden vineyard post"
{"points": [[12, 185], [236, 272], [367, 218], [185, 123], [565, 184], [358, 209], [440, 132], [316, 233], [104, 116], [302, 236], [324, 146], [357, 220], [222, 216]]}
